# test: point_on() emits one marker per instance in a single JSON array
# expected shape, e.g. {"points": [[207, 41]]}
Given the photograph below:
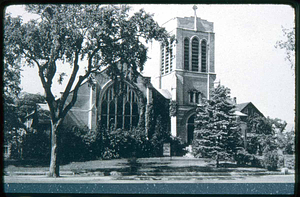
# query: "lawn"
{"points": [[158, 165]]}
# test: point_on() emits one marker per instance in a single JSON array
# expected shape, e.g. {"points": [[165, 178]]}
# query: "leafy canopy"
{"points": [[288, 44], [100, 36]]}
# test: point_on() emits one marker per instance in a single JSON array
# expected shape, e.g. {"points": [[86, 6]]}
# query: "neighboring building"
{"points": [[187, 74], [244, 110], [248, 109]]}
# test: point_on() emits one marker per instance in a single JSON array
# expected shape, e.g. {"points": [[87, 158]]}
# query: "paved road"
{"points": [[152, 179]]}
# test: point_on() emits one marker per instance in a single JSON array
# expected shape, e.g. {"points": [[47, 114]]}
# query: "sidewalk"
{"points": [[151, 179]]}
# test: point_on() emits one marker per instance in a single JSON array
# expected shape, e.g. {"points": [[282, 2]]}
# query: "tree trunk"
{"points": [[54, 165], [218, 161]]}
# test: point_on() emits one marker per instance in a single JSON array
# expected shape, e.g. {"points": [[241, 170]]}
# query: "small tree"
{"points": [[258, 128], [217, 134]]}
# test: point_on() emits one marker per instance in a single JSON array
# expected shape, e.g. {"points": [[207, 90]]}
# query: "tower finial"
{"points": [[195, 10], [195, 17]]}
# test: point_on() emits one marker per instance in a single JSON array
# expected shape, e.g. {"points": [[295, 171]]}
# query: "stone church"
{"points": [[187, 74]]}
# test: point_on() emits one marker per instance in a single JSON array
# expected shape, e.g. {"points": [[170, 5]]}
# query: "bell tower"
{"points": [[187, 68]]}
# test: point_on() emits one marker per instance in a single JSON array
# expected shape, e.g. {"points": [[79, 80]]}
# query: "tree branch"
{"points": [[70, 82], [64, 111]]}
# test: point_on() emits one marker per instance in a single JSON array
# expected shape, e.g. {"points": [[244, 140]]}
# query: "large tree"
{"points": [[93, 36], [217, 134], [11, 79]]}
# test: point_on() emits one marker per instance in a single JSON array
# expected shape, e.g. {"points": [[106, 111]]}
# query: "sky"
{"points": [[246, 60]]}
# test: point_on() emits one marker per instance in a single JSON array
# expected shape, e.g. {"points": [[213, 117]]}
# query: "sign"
{"points": [[167, 149]]}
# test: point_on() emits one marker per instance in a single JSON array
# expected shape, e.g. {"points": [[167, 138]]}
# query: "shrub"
{"points": [[271, 160], [177, 146], [290, 161], [256, 161], [243, 157], [36, 145], [74, 144], [125, 144]]}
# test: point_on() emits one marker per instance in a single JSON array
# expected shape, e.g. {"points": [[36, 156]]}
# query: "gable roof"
{"points": [[241, 106]]}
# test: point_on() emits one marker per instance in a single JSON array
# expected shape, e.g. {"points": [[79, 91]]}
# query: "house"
{"points": [[244, 110]]}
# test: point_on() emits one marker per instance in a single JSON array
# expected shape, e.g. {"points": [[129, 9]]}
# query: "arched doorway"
{"points": [[190, 128]]}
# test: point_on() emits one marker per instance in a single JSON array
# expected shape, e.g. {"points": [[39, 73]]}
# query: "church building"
{"points": [[187, 74]]}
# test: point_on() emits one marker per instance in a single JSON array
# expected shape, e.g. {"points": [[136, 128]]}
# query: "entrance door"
{"points": [[190, 129]]}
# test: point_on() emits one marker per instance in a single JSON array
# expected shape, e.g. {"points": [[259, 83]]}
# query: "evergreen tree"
{"points": [[217, 134]]}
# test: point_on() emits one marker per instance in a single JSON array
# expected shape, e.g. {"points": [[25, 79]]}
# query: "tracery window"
{"points": [[186, 52], [195, 54], [203, 56], [119, 111]]}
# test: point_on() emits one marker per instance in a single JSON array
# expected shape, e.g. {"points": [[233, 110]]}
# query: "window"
{"points": [[194, 96], [203, 56], [119, 111], [162, 60], [186, 53], [195, 54], [167, 60], [167, 57]]}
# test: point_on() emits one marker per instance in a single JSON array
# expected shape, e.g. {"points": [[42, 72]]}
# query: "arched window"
{"points": [[203, 56], [195, 54], [119, 111], [186, 53]]}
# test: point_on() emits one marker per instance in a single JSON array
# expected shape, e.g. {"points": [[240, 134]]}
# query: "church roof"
{"points": [[188, 23], [165, 93]]}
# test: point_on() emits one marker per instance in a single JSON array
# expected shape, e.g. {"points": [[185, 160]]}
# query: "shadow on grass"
{"points": [[27, 163]]}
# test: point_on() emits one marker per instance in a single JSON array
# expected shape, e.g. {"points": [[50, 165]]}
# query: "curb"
{"points": [[145, 174]]}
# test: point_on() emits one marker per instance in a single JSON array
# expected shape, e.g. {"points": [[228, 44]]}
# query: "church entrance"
{"points": [[190, 129]]}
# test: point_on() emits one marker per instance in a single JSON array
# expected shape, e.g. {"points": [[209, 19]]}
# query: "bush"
{"points": [[177, 147], [125, 144], [36, 145], [256, 161], [289, 161], [134, 143], [75, 144], [244, 158], [271, 160]]}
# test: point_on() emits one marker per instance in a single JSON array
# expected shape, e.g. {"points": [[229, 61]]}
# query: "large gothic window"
{"points": [[186, 53], [203, 56], [119, 111], [195, 54]]}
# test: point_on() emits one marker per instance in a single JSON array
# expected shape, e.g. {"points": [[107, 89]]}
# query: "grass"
{"points": [[138, 166]]}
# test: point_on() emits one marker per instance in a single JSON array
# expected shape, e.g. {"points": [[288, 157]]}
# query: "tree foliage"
{"points": [[264, 134], [93, 36], [217, 134], [288, 44]]}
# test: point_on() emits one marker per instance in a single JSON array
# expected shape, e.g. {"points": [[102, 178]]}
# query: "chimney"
{"points": [[234, 99]]}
